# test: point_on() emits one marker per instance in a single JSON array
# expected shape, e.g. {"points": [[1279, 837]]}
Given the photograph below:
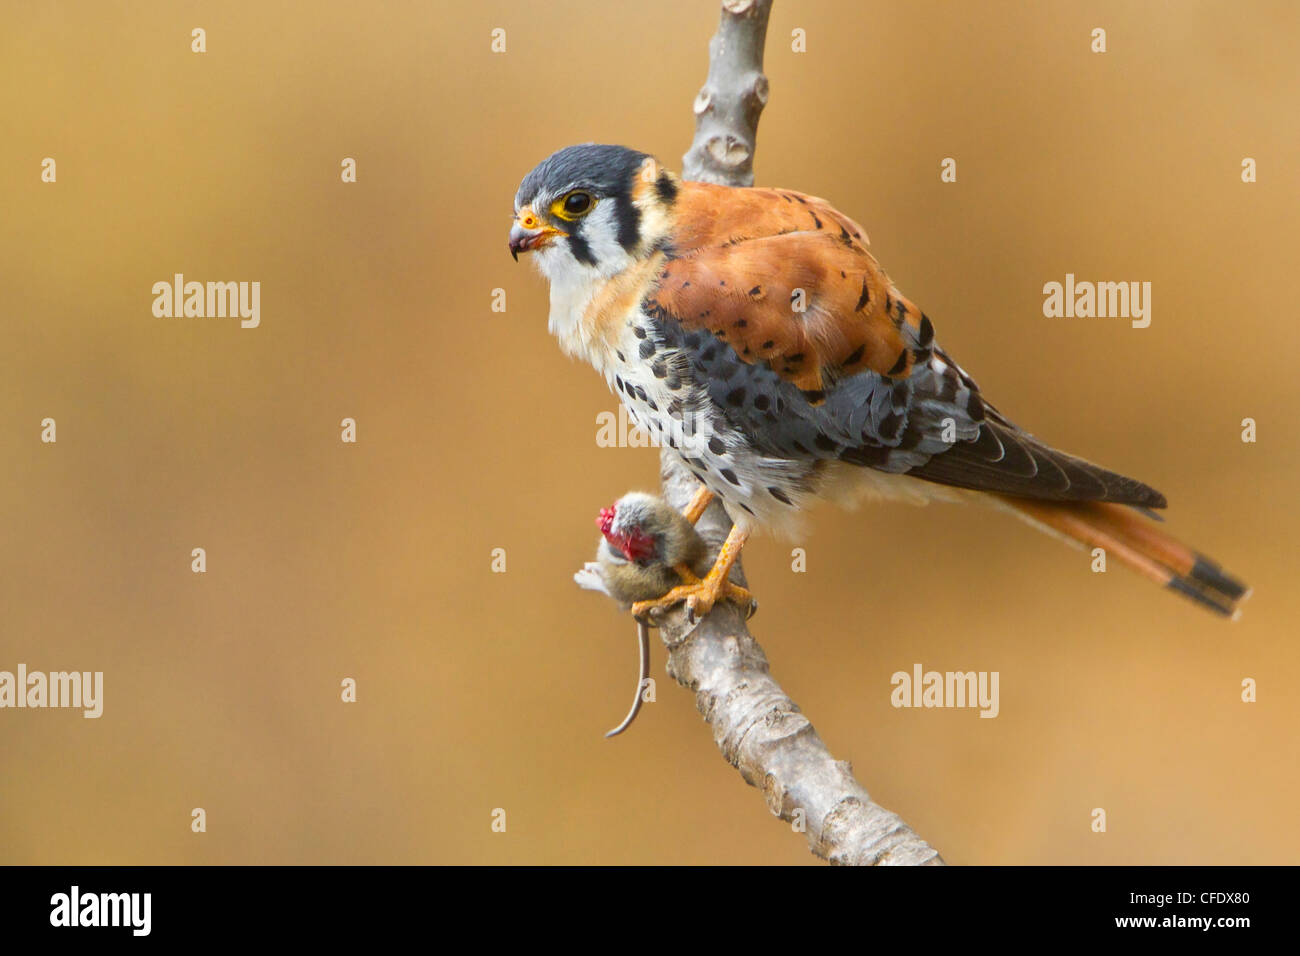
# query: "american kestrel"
{"points": [[750, 331]]}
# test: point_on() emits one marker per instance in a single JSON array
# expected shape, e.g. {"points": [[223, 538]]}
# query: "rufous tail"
{"points": [[1131, 538]]}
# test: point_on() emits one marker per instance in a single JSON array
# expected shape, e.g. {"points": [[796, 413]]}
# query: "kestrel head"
{"points": [[592, 208]]}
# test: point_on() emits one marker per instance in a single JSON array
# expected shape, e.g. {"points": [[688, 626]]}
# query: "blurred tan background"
{"points": [[373, 561]]}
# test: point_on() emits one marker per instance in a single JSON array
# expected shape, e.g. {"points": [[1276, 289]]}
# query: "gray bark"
{"points": [[761, 731], [758, 728], [732, 98]]}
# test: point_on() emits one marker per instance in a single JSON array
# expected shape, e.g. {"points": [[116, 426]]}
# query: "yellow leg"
{"points": [[686, 573], [701, 594], [699, 504]]}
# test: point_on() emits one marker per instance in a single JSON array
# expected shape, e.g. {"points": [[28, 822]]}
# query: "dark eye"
{"points": [[576, 204]]}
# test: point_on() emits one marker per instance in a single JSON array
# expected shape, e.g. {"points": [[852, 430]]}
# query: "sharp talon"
{"points": [[700, 595]]}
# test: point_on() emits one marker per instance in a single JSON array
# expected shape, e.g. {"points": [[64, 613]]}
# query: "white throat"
{"points": [[573, 286]]}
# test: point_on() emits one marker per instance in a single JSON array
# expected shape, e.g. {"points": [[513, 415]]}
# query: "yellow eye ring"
{"points": [[573, 205]]}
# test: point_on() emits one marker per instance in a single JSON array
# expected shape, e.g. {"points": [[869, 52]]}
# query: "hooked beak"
{"points": [[529, 232]]}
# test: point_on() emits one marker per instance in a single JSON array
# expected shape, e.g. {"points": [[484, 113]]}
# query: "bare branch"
{"points": [[761, 732], [732, 98], [758, 728]]}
